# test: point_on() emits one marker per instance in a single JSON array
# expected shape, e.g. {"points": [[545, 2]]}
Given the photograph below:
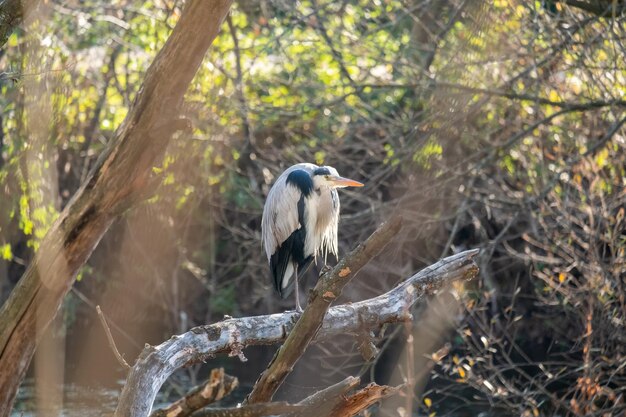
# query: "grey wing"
{"points": [[329, 242], [280, 215]]}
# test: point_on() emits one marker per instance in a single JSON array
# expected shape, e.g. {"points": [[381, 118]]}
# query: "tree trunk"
{"points": [[118, 179]]}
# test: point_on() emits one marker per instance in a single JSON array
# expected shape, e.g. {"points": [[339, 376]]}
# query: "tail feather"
{"points": [[280, 264]]}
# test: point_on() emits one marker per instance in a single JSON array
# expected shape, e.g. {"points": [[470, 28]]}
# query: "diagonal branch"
{"points": [[335, 401], [328, 288], [107, 331], [156, 364], [218, 386], [500, 92], [362, 399], [252, 410], [324, 402]]}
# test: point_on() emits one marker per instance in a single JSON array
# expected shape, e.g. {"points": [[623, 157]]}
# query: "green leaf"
{"points": [[5, 251]]}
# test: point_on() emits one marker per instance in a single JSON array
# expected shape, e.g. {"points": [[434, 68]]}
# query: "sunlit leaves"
{"points": [[5, 252], [428, 153], [295, 69]]}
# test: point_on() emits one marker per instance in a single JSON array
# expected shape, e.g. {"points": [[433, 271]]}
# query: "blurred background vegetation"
{"points": [[495, 125]]}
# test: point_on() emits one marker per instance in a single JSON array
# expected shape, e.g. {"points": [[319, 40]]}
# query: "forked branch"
{"points": [[157, 363]]}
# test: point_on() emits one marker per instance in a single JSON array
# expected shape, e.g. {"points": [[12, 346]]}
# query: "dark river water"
{"points": [[77, 401], [80, 401]]}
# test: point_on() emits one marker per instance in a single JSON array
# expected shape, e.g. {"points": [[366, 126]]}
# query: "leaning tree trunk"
{"points": [[120, 176]]}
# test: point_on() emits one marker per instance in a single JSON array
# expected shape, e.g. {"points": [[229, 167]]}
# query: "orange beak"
{"points": [[344, 182]]}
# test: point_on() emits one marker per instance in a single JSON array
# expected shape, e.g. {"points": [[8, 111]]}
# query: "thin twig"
{"points": [[82, 297], [118, 356]]}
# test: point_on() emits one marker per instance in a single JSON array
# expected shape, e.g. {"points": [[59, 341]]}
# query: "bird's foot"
{"points": [[325, 269], [298, 310]]}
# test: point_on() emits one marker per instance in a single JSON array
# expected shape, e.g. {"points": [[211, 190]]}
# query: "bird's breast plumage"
{"points": [[324, 212], [300, 220], [324, 226]]}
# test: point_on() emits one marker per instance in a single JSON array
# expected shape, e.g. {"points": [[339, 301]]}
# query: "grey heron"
{"points": [[300, 221]]}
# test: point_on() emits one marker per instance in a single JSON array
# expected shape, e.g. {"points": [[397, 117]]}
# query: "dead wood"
{"points": [[112, 345], [157, 363], [218, 386], [252, 410], [328, 288]]}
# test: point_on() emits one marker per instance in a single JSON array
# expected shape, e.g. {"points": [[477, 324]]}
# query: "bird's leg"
{"points": [[298, 308]]}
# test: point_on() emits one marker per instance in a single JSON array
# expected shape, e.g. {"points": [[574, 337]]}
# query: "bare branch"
{"points": [[567, 105], [156, 364], [362, 399], [252, 410], [328, 288], [218, 386], [118, 356], [323, 402], [335, 400]]}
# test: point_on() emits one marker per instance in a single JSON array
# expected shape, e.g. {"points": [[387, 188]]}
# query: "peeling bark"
{"points": [[361, 400]]}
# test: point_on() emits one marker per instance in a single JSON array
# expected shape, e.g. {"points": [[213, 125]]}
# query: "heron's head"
{"points": [[329, 177]]}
